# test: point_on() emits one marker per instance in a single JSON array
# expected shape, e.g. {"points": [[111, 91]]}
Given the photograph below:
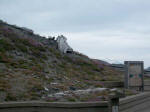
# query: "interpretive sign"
{"points": [[134, 74]]}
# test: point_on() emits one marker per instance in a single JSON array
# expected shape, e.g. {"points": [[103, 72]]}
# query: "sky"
{"points": [[110, 30]]}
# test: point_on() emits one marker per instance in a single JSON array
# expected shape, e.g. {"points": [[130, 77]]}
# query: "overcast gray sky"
{"points": [[112, 30]]}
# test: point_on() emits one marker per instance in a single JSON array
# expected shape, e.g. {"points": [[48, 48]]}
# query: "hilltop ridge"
{"points": [[32, 67]]}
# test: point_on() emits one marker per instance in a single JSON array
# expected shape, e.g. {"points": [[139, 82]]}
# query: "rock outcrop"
{"points": [[63, 45]]}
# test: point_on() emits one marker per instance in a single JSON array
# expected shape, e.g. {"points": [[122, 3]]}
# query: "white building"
{"points": [[63, 45]]}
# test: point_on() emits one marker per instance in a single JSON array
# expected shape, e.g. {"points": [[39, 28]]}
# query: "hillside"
{"points": [[31, 67], [148, 69]]}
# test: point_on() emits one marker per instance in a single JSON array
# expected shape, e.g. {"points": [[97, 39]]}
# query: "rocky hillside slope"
{"points": [[31, 67]]}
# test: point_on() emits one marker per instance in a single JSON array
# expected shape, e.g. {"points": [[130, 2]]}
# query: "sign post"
{"points": [[134, 75]]}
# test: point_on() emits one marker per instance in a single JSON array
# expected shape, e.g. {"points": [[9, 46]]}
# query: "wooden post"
{"points": [[113, 103]]}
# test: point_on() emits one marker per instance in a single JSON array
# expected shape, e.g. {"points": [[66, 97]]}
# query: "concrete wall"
{"points": [[136, 103], [53, 107]]}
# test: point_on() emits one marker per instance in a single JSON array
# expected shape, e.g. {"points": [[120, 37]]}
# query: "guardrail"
{"points": [[136, 103], [146, 85], [54, 107]]}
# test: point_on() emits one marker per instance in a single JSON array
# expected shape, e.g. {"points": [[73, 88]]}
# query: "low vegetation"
{"points": [[31, 68]]}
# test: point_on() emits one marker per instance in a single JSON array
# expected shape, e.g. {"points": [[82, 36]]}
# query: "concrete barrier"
{"points": [[136, 103], [54, 107]]}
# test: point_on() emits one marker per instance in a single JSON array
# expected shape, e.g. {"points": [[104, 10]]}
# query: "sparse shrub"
{"points": [[44, 56], [21, 43], [35, 43], [50, 80], [35, 85], [35, 52], [4, 58], [52, 99], [22, 48], [98, 85], [62, 65], [55, 52], [5, 45], [85, 98], [4, 85], [66, 58], [37, 68], [14, 64], [41, 48], [52, 50], [34, 96], [71, 99], [11, 97], [17, 40]]}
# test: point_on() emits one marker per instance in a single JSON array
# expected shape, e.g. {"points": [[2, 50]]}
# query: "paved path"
{"points": [[144, 110]]}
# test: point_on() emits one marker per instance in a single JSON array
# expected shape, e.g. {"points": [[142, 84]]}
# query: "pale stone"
{"points": [[63, 45]]}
